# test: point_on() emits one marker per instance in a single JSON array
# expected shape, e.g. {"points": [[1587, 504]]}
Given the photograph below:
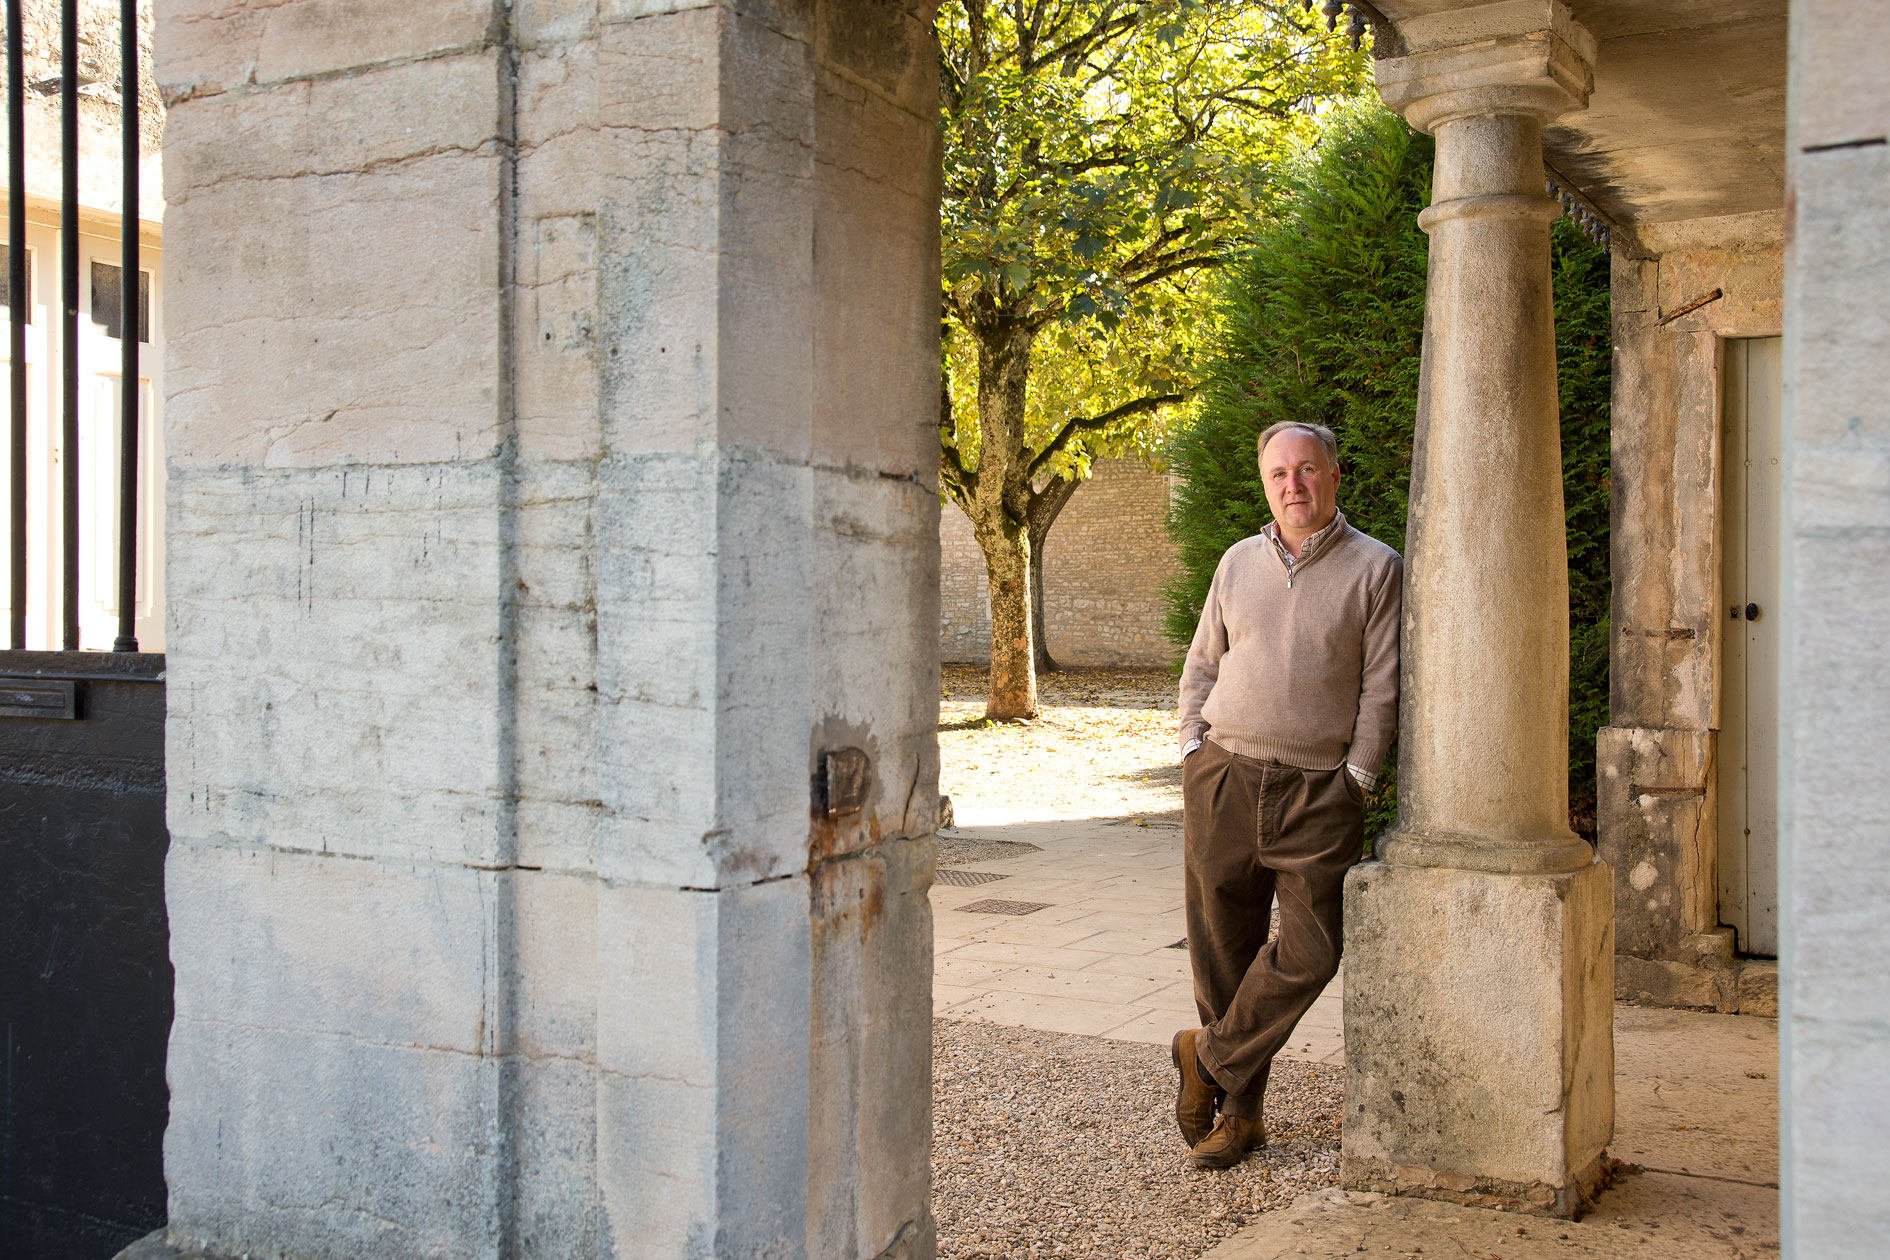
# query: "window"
{"points": [[105, 301]]}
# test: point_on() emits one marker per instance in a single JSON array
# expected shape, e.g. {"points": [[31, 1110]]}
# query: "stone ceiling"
{"points": [[1687, 120]]}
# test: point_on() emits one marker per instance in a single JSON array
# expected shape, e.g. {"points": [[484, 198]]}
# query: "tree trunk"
{"points": [[1039, 638], [1045, 506], [1013, 688], [999, 512]]}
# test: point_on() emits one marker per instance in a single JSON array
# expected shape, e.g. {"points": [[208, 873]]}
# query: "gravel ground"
{"points": [[1048, 1145]]}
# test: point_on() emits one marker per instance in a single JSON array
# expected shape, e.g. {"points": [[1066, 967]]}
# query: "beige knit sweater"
{"points": [[1299, 665]]}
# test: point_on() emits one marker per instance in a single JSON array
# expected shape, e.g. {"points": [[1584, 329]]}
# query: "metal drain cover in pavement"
{"points": [[965, 879], [960, 850], [1005, 907]]}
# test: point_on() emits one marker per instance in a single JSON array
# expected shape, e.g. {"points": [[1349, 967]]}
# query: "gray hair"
{"points": [[1326, 437]]}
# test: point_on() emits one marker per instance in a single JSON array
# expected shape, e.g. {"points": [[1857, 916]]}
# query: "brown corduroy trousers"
{"points": [[1254, 830]]}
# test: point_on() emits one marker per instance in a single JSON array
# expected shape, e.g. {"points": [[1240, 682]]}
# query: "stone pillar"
{"points": [[553, 618], [1834, 1031], [1478, 991]]}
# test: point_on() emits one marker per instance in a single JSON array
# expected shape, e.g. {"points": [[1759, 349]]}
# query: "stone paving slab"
{"points": [[1103, 943], [1654, 1215], [1696, 1093]]}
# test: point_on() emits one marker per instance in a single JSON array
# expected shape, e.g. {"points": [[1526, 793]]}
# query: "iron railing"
{"points": [[130, 324]]}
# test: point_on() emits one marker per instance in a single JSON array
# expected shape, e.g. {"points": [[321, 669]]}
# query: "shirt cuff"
{"points": [[1366, 780], [1189, 747]]}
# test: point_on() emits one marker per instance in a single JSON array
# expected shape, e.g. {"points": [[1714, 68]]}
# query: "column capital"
{"points": [[1542, 72]]}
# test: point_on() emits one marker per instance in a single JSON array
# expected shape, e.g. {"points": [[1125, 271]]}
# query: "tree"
{"points": [[1324, 320], [1098, 155]]}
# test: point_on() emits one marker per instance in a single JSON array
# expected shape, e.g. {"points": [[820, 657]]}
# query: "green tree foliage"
{"points": [[1097, 156], [1323, 321]]}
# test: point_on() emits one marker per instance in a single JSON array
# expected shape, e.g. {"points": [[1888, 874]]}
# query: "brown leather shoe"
{"points": [[1198, 1096], [1232, 1138]]}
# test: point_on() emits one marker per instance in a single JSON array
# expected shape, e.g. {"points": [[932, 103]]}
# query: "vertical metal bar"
{"points": [[17, 312], [130, 328], [69, 298]]}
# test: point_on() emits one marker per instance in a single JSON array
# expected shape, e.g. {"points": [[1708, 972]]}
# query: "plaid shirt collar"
{"points": [[1309, 548]]}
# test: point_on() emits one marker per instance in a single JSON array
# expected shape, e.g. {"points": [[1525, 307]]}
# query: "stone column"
{"points": [[1834, 1034], [552, 627], [1478, 993]]}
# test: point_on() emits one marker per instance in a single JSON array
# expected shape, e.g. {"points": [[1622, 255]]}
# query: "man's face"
{"points": [[1302, 484]]}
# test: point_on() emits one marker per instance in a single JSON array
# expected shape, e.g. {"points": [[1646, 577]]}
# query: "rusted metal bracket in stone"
{"points": [[1667, 317], [841, 780], [1594, 224], [1361, 17]]}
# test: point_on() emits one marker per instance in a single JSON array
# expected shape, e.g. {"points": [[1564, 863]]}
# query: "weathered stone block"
{"points": [[703, 1110], [656, 1176], [308, 588], [404, 112], [1839, 807], [885, 45], [554, 1109], [289, 1143], [336, 319], [1479, 1035], [311, 943], [554, 965], [870, 403], [1668, 982], [1758, 988], [206, 47], [1836, 93], [303, 38], [1835, 798], [1666, 408], [1841, 219], [558, 835], [708, 194], [600, 616], [558, 351], [543, 23], [1658, 832], [704, 758], [1750, 280], [1834, 1126], [871, 620], [871, 1051]]}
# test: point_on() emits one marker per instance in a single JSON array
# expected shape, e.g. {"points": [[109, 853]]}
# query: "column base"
{"points": [[1479, 1035], [1568, 1201]]}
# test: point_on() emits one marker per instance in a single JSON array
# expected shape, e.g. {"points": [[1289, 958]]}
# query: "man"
{"points": [[1289, 703]]}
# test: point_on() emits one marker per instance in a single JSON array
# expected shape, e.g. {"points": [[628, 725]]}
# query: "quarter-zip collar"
{"points": [[1310, 550]]}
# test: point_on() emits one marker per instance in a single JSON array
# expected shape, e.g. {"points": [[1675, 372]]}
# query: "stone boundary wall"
{"points": [[1107, 566]]}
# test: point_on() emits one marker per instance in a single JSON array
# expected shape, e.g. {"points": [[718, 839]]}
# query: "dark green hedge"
{"points": [[1323, 321]]}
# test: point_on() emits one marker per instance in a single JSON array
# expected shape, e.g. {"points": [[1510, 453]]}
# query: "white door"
{"points": [[99, 385], [98, 450], [1748, 737]]}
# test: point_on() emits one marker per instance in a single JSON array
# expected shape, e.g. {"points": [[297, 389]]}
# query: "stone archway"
{"points": [[553, 626]]}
